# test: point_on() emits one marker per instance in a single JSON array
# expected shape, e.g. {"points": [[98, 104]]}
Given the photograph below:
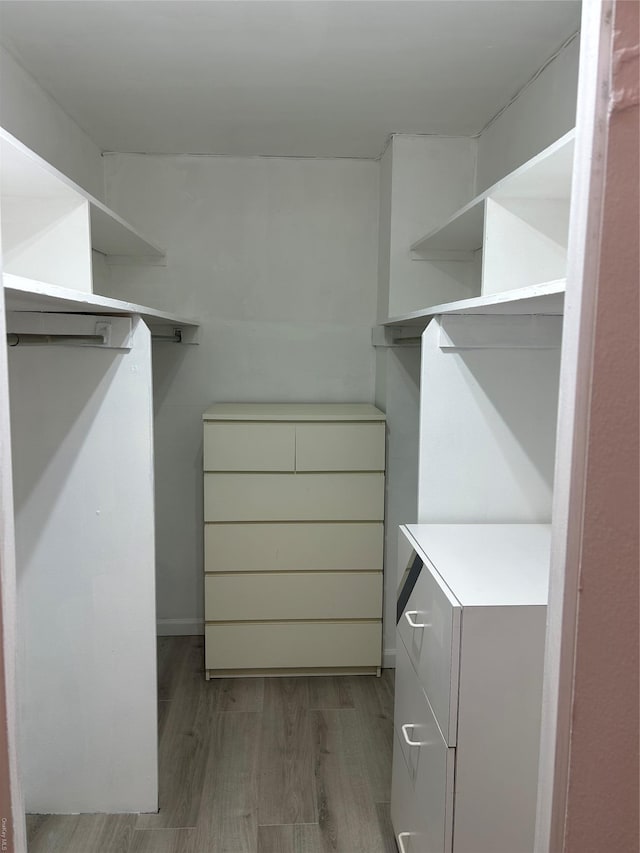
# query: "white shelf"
{"points": [[25, 175], [22, 294], [518, 227], [458, 238], [547, 298], [545, 176]]}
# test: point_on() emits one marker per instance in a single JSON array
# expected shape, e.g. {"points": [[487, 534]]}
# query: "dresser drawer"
{"points": [[249, 447], [291, 497], [425, 759], [340, 447], [430, 631], [421, 803], [301, 645], [293, 595], [302, 546], [406, 812]]}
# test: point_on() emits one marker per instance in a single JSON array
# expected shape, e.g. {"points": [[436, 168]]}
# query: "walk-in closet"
{"points": [[319, 423]]}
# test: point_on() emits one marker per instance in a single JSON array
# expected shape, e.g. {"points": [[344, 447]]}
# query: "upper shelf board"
{"points": [[26, 175], [547, 298], [23, 294], [547, 175]]}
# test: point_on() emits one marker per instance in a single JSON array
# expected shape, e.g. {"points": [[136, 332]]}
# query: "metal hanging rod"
{"points": [[29, 339], [14, 340], [175, 338]]}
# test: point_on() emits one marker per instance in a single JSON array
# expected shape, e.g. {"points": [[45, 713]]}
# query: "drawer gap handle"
{"points": [[408, 739], [409, 613], [401, 837]]}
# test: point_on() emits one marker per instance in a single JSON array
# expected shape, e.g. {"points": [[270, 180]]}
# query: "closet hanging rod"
{"points": [[14, 340], [22, 339], [175, 338]]}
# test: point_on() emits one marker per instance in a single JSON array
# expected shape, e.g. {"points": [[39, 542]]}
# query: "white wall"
{"points": [[277, 259], [31, 115], [542, 113]]}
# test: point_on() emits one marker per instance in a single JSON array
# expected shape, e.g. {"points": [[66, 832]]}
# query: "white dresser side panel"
{"points": [[500, 702]]}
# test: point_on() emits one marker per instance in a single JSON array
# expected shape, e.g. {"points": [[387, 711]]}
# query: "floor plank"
{"points": [[298, 838], [50, 833], [228, 821], [183, 752], [373, 698], [287, 790], [80, 833], [163, 841], [331, 691], [233, 695], [347, 815], [171, 656], [383, 812]]}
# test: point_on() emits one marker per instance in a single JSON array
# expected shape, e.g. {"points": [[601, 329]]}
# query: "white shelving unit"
{"points": [[50, 228], [511, 241], [27, 295], [81, 406], [489, 378], [547, 298], [37, 199]]}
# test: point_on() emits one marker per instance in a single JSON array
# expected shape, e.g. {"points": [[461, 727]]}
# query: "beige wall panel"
{"points": [[340, 447], [249, 447], [250, 645], [302, 546], [293, 595], [294, 497]]}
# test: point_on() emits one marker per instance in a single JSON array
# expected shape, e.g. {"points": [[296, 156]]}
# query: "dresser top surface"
{"points": [[293, 412], [486, 565]]}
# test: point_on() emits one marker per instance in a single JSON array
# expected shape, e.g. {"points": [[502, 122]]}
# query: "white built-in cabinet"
{"points": [[81, 406], [505, 252], [469, 664], [293, 512], [469, 668]]}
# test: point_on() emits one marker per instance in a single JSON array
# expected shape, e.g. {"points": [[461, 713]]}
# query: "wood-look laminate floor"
{"points": [[253, 765]]}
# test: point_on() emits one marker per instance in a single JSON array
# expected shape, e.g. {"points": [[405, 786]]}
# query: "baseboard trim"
{"points": [[179, 627], [389, 659]]}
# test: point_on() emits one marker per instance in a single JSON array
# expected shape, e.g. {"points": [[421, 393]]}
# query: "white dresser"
{"points": [[293, 511], [470, 647]]}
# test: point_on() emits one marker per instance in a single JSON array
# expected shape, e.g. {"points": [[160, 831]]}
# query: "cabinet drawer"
{"points": [[293, 595], [421, 803], [249, 447], [429, 765], [340, 447], [301, 645], [433, 646], [302, 546], [291, 497], [406, 816]]}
